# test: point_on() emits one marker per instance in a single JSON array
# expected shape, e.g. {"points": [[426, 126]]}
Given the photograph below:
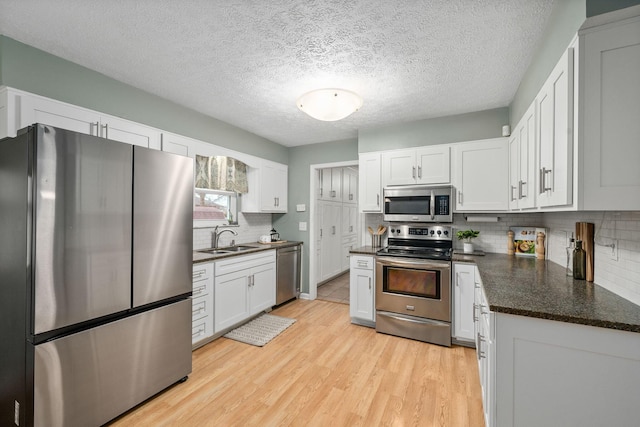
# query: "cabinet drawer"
{"points": [[202, 287], [362, 262], [202, 272], [243, 262], [201, 329], [201, 307]]}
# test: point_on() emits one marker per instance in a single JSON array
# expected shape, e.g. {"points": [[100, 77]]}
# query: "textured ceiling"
{"points": [[246, 62]]}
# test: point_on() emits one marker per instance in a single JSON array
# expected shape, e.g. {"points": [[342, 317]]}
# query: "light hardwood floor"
{"points": [[321, 371]]}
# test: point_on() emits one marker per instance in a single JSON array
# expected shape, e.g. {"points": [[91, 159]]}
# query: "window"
{"points": [[215, 205]]}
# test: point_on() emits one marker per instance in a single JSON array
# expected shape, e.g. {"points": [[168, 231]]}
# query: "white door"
{"points": [[399, 167], [611, 118], [482, 175], [464, 279], [231, 299], [433, 165], [555, 135], [361, 304], [369, 183], [262, 292]]}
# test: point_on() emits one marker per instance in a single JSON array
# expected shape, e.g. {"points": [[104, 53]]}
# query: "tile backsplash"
{"points": [[621, 275], [250, 227]]}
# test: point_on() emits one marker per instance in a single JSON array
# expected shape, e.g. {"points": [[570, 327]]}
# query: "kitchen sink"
{"points": [[227, 250], [237, 248]]}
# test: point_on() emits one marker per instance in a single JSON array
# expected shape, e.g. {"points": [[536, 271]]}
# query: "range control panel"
{"points": [[419, 232]]}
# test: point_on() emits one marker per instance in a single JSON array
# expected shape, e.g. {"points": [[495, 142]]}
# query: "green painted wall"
{"points": [[565, 20], [567, 17], [441, 130], [300, 160], [598, 7], [32, 70]]}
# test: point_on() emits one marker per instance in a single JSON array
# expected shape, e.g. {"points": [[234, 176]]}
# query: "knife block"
{"points": [[585, 232]]}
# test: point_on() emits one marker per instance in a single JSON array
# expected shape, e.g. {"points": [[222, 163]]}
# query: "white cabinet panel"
{"points": [[610, 91], [522, 163], [463, 294], [433, 164], [425, 165], [482, 175], [399, 167], [202, 303], [268, 188], [349, 185], [369, 182], [330, 214], [66, 116], [555, 135], [362, 290], [244, 285], [35, 109]]}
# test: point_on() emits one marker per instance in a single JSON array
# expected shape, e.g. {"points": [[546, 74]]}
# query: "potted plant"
{"points": [[467, 235]]}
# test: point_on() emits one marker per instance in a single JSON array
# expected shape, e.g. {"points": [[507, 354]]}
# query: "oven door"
{"points": [[415, 287]]}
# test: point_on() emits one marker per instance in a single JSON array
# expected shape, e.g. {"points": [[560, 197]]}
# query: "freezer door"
{"points": [[162, 225], [82, 242], [90, 377]]}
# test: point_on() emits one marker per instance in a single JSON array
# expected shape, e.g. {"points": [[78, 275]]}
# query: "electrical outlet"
{"points": [[614, 250], [302, 226]]}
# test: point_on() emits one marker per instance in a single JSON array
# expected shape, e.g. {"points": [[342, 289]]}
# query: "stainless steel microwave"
{"points": [[419, 203]]}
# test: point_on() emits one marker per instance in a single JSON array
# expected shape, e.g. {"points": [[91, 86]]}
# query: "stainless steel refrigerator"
{"points": [[95, 276]]}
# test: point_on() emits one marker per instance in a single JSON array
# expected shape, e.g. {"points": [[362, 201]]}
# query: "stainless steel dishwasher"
{"points": [[288, 273]]}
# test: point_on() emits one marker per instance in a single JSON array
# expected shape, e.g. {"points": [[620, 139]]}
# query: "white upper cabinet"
{"points": [[369, 183], [349, 185], [610, 119], [36, 109], [178, 144], [522, 163], [273, 187], [555, 135], [482, 175], [433, 164], [425, 165], [330, 184]]}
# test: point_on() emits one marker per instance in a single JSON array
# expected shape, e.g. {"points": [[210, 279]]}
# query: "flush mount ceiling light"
{"points": [[329, 105]]}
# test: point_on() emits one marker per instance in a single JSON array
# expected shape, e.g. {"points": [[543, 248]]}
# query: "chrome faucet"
{"points": [[216, 235]]}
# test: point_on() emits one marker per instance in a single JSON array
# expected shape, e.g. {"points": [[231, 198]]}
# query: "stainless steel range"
{"points": [[413, 283]]}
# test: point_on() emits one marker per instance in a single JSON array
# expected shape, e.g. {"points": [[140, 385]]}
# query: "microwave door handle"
{"points": [[432, 205]]}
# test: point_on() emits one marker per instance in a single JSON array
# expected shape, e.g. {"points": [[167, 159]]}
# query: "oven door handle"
{"points": [[432, 205], [409, 319], [422, 264]]}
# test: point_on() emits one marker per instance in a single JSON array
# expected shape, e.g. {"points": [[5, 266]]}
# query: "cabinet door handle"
{"points": [[97, 125], [419, 171], [481, 354], [106, 131], [333, 229], [351, 228], [377, 199], [457, 280], [320, 191], [543, 180], [333, 193], [459, 197], [520, 190], [513, 188], [522, 193], [369, 283], [198, 332], [413, 174]]}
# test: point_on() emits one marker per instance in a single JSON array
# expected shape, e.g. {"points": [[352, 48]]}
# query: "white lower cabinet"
{"points": [[348, 243], [555, 373], [463, 295], [244, 286], [202, 303], [362, 290]]}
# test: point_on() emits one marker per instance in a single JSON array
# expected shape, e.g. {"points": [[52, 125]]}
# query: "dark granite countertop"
{"points": [[257, 247], [540, 288], [364, 250]]}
